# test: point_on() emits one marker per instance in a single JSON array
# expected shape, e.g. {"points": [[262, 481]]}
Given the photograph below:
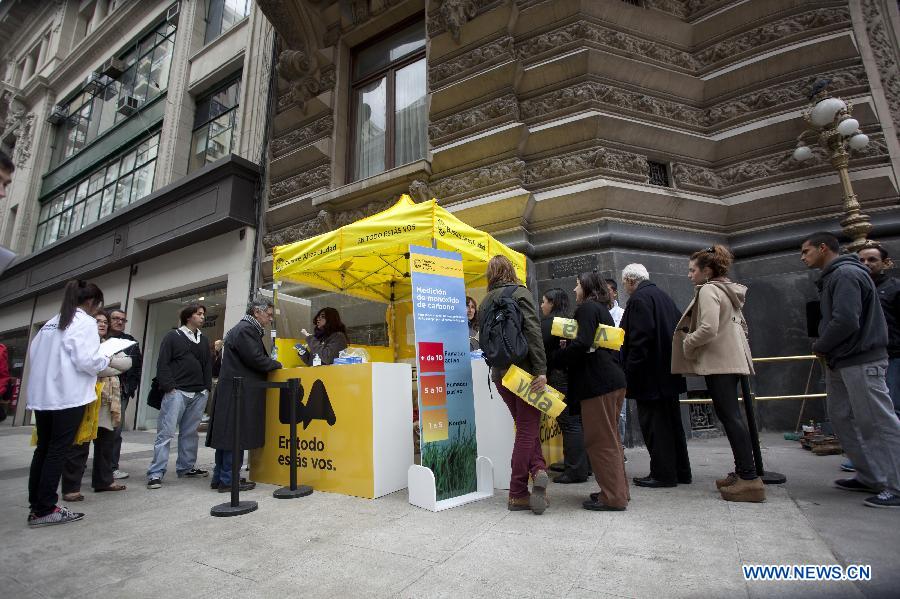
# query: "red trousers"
{"points": [[526, 457]]}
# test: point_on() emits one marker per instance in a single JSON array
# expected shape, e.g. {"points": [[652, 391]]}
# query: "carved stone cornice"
{"points": [[677, 8], [599, 94], [886, 53], [451, 15], [304, 230], [461, 65], [591, 33], [489, 114], [313, 178], [303, 135], [756, 170], [596, 160], [346, 217], [770, 33], [480, 180], [321, 83]]}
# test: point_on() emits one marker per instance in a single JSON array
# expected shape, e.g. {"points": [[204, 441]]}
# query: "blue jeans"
{"points": [[222, 471], [185, 412], [893, 383]]}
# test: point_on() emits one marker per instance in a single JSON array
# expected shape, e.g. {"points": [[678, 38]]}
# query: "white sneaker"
{"points": [[119, 475]]}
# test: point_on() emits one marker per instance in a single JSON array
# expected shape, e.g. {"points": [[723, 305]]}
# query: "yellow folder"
{"points": [[606, 336], [549, 401]]}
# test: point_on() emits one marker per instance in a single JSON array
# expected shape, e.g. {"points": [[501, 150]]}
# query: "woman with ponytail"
{"points": [[711, 341], [65, 360]]}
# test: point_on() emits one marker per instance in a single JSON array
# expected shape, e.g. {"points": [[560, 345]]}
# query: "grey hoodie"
{"points": [[852, 330]]}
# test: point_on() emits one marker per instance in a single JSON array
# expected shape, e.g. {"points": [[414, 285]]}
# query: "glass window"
{"points": [[390, 119], [112, 187], [215, 122], [223, 15], [93, 113]]}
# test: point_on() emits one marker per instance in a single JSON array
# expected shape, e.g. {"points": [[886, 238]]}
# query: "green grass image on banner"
{"points": [[453, 464]]}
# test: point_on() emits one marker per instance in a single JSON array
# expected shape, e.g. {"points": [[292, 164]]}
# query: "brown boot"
{"points": [[538, 501], [745, 490], [727, 481], [519, 504]]}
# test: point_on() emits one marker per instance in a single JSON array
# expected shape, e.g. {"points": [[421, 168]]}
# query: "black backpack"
{"points": [[501, 337]]}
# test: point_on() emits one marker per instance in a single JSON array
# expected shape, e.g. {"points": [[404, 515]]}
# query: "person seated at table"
{"points": [[328, 338]]}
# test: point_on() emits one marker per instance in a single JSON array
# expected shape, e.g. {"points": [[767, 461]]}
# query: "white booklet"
{"points": [[111, 347]]}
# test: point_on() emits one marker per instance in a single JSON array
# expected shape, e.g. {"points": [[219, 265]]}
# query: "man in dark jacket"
{"points": [[853, 339], [649, 321], [129, 381], [243, 355], [184, 372], [877, 260]]}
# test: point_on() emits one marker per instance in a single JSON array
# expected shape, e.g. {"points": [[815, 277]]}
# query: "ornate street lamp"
{"points": [[829, 119]]}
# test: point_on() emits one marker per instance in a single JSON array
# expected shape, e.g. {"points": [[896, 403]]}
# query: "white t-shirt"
{"points": [[63, 365], [616, 312]]}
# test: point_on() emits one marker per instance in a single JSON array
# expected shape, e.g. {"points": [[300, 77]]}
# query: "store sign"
{"points": [[446, 400]]}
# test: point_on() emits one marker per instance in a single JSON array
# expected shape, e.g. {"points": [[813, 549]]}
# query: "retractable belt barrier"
{"points": [[748, 399], [236, 507]]}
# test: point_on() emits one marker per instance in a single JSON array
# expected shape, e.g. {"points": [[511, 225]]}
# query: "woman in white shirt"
{"points": [[65, 359]]}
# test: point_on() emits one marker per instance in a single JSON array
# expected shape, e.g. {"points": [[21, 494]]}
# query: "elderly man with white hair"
{"points": [[649, 322]]}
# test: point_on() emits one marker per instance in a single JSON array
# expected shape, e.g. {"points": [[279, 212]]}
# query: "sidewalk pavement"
{"points": [[681, 542]]}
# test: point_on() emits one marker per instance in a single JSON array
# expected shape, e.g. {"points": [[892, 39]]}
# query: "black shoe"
{"points": [[652, 483], [243, 486], [557, 467], [566, 479], [154, 483], [851, 484], [214, 485], [637, 478], [194, 473], [597, 506], [685, 480]]}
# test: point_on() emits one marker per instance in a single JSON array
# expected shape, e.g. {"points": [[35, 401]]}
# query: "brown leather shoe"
{"points": [[753, 491], [727, 481], [519, 504]]}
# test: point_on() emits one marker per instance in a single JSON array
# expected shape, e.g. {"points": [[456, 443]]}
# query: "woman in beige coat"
{"points": [[711, 340]]}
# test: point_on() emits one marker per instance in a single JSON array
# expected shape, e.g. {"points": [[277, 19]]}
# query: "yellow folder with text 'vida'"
{"points": [[549, 401]]}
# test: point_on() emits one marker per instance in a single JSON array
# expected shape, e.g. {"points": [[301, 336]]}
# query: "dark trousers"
{"points": [[574, 456], [55, 434], [663, 433], [117, 442], [723, 391], [76, 462], [222, 471], [527, 457]]}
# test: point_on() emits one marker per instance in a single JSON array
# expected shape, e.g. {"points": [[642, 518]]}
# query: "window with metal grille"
{"points": [[659, 173]]}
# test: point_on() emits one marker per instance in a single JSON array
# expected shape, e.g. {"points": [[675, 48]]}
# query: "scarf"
{"points": [[253, 321]]}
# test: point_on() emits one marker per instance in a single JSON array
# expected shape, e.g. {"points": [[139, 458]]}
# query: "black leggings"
{"points": [[723, 391]]}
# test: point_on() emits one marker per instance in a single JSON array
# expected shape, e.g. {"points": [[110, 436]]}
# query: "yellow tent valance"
{"points": [[370, 258]]}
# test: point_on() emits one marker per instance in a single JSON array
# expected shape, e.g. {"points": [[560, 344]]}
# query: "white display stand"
{"points": [[495, 431], [423, 494]]}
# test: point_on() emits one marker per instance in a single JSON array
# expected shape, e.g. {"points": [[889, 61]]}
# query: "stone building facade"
{"points": [[593, 133], [138, 129]]}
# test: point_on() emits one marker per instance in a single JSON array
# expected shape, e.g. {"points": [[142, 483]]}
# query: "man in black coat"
{"points": [[649, 322], [243, 355]]}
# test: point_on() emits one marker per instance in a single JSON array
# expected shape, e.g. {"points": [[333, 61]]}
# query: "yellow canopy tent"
{"points": [[369, 259]]}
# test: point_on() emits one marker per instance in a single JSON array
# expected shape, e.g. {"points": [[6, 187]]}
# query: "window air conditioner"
{"points": [[172, 13], [113, 68], [128, 105], [95, 83], [58, 115]]}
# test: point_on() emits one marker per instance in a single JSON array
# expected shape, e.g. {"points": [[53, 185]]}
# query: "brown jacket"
{"points": [[711, 337]]}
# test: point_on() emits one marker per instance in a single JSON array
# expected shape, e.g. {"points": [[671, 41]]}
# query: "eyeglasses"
{"points": [[118, 319]]}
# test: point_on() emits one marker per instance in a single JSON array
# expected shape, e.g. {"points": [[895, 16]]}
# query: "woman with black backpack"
{"points": [[507, 297], [597, 383]]}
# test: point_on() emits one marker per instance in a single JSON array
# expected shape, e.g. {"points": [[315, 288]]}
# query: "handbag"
{"points": [[155, 396]]}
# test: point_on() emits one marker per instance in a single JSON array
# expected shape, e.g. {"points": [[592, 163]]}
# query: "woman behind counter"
{"points": [[329, 337]]}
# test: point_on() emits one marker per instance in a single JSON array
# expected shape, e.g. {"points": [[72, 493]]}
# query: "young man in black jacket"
{"points": [[853, 339], [184, 373], [877, 260], [129, 381]]}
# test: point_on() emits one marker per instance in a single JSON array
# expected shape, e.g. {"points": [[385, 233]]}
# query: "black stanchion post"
{"points": [[769, 478], [293, 490], [236, 507]]}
